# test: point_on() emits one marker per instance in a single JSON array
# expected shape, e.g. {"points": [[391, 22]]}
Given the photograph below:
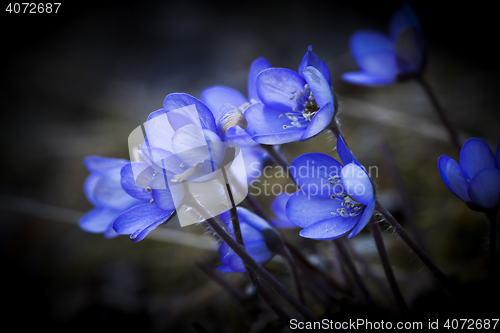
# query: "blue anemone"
{"points": [[476, 181], [103, 190], [294, 106], [260, 238], [334, 199], [385, 59]]}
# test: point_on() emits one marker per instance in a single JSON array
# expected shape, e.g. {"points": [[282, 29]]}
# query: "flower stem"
{"points": [[295, 273], [259, 270], [418, 251], [440, 111], [359, 281], [384, 258], [493, 219]]}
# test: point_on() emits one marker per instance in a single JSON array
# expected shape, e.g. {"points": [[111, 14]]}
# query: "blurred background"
{"points": [[78, 82]]}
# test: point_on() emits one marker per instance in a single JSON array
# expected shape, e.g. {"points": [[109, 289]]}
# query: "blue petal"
{"points": [[345, 153], [101, 165], [258, 65], [330, 228], [190, 146], [304, 209], [266, 126], [249, 233], [366, 79], [252, 219], [381, 64], [365, 43], [257, 250], [129, 183], [475, 155], [98, 219], [224, 269], [318, 85], [108, 192], [228, 117], [314, 172], [278, 206], [319, 122], [454, 177], [159, 131], [403, 17], [181, 101], [89, 187], [311, 59], [365, 218], [484, 188], [357, 183], [215, 97], [275, 87], [140, 218], [163, 199], [238, 135]]}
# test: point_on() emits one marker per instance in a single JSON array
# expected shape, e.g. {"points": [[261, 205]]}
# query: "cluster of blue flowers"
{"points": [[281, 106]]}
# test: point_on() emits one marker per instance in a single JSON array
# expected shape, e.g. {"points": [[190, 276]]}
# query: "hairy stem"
{"points": [[386, 264]]}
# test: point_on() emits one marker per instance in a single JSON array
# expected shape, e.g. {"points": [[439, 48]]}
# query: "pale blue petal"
{"points": [[278, 206], [314, 173], [98, 219], [140, 218], [238, 135], [101, 165], [330, 228], [381, 64], [258, 65], [266, 126], [345, 153], [319, 122], [365, 218], [366, 79], [365, 43], [129, 183], [303, 209], [215, 97], [357, 183], [181, 101], [252, 219], [275, 87], [484, 188], [318, 85], [311, 59], [108, 192]]}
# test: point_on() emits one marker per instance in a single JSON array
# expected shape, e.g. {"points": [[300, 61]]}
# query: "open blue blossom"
{"points": [[334, 199], [103, 190], [476, 181], [278, 206], [385, 59], [294, 106], [261, 241]]}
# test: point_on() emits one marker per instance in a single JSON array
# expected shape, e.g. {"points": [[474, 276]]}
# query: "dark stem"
{"points": [[259, 270], [492, 218], [398, 182], [251, 274], [440, 111], [221, 281], [352, 268], [415, 248], [384, 258], [276, 156], [295, 273]]}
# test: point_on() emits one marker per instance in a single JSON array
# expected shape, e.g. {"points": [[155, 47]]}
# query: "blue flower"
{"points": [[261, 241], [334, 199], [294, 106], [278, 206], [103, 190], [384, 59], [476, 181]]}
